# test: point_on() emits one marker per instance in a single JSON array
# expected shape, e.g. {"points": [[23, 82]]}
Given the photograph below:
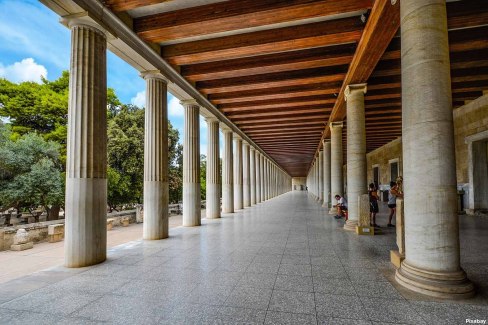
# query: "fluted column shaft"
{"points": [[86, 166], [432, 262], [327, 194], [263, 179], [238, 192], [258, 177], [156, 189], [213, 182], [320, 160], [252, 180], [227, 174], [356, 152], [246, 175], [336, 163], [191, 165]]}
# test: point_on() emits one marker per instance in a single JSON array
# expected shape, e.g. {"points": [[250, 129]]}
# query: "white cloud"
{"points": [[140, 99], [27, 27], [25, 70], [175, 108]]}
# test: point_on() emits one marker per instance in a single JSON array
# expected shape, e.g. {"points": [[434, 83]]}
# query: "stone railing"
{"points": [[39, 231]]}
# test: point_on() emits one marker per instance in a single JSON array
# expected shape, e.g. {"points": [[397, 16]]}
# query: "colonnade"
{"points": [[432, 254], [248, 176]]}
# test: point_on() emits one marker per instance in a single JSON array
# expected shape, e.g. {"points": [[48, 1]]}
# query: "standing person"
{"points": [[392, 196], [373, 204]]}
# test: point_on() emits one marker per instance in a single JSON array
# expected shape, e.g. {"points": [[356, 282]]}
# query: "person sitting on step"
{"points": [[341, 207]]}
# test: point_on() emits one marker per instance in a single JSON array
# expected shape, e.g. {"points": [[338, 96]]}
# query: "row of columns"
{"points": [[248, 177], [432, 261]]}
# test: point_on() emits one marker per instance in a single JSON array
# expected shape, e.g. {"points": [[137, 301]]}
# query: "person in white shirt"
{"points": [[341, 207]]}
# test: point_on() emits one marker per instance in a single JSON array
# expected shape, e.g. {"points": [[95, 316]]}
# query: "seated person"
{"points": [[341, 206]]}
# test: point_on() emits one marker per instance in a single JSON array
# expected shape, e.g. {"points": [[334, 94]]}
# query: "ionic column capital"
{"points": [[236, 136], [153, 74], [354, 89], [211, 119], [325, 141], [252, 148], [83, 19], [334, 125], [189, 102]]}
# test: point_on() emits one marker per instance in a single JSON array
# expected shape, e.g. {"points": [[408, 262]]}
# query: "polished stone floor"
{"points": [[282, 262]]}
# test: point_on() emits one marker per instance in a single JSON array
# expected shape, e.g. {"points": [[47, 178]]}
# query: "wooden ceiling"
{"points": [[278, 68]]}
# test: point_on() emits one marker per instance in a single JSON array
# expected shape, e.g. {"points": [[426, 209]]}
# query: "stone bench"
{"points": [[124, 221], [55, 233]]}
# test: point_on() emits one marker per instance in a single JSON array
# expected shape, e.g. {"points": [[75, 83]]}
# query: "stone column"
{"points": [[238, 193], [213, 183], [246, 175], [327, 194], [336, 182], [86, 166], [431, 264], [252, 169], [258, 177], [263, 177], [357, 183], [227, 173], [191, 165], [320, 165], [156, 190]]}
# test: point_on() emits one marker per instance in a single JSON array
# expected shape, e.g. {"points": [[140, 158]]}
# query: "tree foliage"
{"points": [[30, 172]]}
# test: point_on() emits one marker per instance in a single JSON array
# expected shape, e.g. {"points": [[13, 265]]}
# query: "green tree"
{"points": [[203, 176], [30, 173]]}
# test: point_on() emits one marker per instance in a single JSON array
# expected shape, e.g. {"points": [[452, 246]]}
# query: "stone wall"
{"points": [[469, 119], [298, 181], [382, 157], [38, 231]]}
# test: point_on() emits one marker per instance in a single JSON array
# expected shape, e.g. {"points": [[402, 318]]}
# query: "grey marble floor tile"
{"points": [[339, 306], [333, 286], [257, 280], [388, 310], [378, 289], [256, 267], [295, 269], [249, 297], [281, 318], [294, 283], [294, 302]]}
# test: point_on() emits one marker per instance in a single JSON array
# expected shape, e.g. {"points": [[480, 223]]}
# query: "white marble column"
{"points": [[336, 162], [213, 183], [432, 261], [156, 189], [263, 179], [327, 194], [258, 177], [86, 166], [357, 183], [320, 172], [191, 165], [238, 191], [246, 175], [252, 175], [227, 173]]}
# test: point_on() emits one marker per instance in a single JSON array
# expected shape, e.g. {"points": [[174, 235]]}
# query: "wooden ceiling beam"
{"points": [[236, 117], [381, 27], [327, 33], [234, 15], [297, 101], [124, 5], [276, 93], [278, 79], [278, 62], [276, 120]]}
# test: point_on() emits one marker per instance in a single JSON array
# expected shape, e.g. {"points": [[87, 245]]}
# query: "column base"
{"points": [[325, 205], [351, 225], [452, 285]]}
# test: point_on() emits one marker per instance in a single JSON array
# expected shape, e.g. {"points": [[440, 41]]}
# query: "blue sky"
{"points": [[34, 43]]}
